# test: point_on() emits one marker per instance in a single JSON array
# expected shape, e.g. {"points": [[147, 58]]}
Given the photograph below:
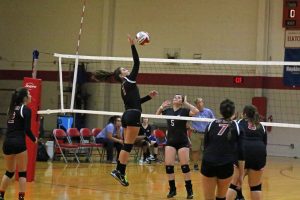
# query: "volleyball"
{"points": [[143, 38]]}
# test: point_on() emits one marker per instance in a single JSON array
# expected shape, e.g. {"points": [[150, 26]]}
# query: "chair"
{"points": [[88, 137], [137, 152], [64, 149], [75, 138], [96, 131], [161, 141]]}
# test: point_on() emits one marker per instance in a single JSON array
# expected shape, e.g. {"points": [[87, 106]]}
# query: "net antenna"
{"points": [[76, 62], [77, 58]]}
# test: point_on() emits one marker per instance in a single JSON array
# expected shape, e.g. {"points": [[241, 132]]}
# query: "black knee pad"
{"points": [[169, 169], [155, 145], [217, 198], [255, 188], [233, 187], [22, 174], [9, 174], [127, 147], [185, 168], [145, 143]]}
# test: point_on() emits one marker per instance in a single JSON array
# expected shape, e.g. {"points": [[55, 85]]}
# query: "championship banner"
{"points": [[292, 39]]}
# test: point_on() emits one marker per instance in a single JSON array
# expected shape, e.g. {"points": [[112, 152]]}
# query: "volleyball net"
{"points": [[244, 82]]}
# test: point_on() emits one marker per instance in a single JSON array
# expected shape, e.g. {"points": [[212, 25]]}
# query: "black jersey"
{"points": [[257, 134], [19, 124], [145, 131], [177, 130], [129, 90], [221, 142], [254, 139]]}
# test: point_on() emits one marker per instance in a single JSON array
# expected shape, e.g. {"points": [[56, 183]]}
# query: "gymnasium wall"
{"points": [[214, 29]]}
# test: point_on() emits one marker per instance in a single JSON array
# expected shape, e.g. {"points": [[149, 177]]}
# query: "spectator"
{"points": [[111, 136], [198, 129]]}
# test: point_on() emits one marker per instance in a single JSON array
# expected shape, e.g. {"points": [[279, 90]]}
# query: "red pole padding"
{"points": [[35, 88], [261, 105]]}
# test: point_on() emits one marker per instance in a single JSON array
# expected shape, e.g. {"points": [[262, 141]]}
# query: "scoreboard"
{"points": [[291, 14]]}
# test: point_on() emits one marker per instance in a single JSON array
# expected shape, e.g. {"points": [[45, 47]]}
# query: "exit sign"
{"points": [[238, 80]]}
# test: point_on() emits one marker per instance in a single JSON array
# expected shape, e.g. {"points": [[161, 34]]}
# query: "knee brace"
{"points": [[169, 169], [255, 188], [185, 168], [233, 187], [155, 145], [22, 174], [9, 174], [127, 147]]}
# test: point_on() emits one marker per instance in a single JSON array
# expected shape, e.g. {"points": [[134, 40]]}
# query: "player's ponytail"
{"points": [[17, 99], [252, 115], [102, 75], [12, 104], [229, 134], [256, 118]]}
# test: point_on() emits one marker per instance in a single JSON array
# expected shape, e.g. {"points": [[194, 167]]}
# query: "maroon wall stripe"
{"points": [[168, 79], [44, 75]]}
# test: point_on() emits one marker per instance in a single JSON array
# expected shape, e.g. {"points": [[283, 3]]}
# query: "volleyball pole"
{"points": [[34, 86]]}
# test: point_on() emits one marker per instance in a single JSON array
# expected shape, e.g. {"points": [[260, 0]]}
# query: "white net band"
{"points": [[94, 112], [183, 61]]}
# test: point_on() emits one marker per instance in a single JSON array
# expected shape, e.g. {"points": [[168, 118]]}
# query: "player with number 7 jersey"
{"points": [[221, 152]]}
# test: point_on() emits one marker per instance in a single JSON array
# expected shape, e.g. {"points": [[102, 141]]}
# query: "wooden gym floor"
{"points": [[58, 181]]}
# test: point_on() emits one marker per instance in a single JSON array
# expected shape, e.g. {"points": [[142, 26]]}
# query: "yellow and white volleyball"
{"points": [[142, 38]]}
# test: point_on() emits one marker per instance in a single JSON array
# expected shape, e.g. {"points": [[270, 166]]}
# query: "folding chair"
{"points": [[137, 152], [64, 149], [75, 138], [96, 131], [99, 147], [88, 138], [161, 141]]}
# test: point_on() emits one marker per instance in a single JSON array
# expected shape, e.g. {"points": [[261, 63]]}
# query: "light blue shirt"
{"points": [[201, 126], [109, 128]]}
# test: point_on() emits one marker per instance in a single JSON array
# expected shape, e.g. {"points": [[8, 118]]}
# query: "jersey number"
{"points": [[172, 122], [251, 126], [224, 126], [12, 119]]}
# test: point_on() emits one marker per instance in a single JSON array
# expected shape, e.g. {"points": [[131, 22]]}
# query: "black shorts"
{"points": [[255, 163], [221, 171], [131, 117], [13, 146], [255, 157], [178, 146]]}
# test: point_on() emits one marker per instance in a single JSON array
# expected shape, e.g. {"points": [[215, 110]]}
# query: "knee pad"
{"points": [[155, 145], [9, 174], [255, 188], [22, 174], [233, 187], [169, 169], [185, 168], [217, 198], [127, 147]]}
